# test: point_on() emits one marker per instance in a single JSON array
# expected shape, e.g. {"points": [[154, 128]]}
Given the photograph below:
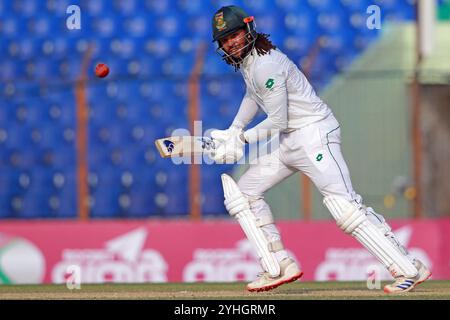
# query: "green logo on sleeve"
{"points": [[270, 83], [319, 157]]}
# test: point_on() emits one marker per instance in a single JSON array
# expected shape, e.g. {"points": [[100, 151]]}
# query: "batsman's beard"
{"points": [[229, 57]]}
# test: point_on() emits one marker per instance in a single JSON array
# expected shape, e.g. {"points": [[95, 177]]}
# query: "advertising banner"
{"points": [[210, 251]]}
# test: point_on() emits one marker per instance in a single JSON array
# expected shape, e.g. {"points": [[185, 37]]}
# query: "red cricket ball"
{"points": [[101, 70]]}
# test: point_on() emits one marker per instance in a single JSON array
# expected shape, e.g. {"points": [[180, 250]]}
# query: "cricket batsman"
{"points": [[309, 137]]}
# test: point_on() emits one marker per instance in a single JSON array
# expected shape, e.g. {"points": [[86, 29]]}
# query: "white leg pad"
{"points": [[238, 206], [353, 221]]}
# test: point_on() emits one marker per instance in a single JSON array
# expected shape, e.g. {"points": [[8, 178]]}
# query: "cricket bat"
{"points": [[180, 146]]}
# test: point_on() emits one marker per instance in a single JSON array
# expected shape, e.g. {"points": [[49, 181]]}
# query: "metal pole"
{"points": [[194, 106], [415, 122], [82, 111]]}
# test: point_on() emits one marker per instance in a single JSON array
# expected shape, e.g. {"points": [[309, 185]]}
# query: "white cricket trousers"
{"points": [[316, 151]]}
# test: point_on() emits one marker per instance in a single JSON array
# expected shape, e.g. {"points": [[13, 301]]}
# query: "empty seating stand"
{"points": [[150, 47]]}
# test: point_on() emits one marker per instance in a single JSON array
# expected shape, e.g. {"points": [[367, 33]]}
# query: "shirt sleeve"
{"points": [[270, 83], [246, 113]]}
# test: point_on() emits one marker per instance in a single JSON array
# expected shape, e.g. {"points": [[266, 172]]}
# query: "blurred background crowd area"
{"points": [[151, 47]]}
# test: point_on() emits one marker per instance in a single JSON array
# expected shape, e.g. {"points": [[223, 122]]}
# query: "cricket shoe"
{"points": [[405, 284], [289, 272]]}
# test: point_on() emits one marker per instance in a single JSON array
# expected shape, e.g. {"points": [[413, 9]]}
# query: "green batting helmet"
{"points": [[229, 19]]}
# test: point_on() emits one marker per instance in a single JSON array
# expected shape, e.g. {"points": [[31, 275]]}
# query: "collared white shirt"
{"points": [[281, 90]]}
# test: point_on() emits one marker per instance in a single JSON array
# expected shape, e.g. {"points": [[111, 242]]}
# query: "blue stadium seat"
{"points": [[332, 21], [61, 157], [35, 204], [212, 204], [4, 8], [171, 24], [170, 112], [42, 69], [98, 8], [160, 47], [199, 25], [146, 133], [7, 112], [259, 7], [3, 48], [106, 194], [62, 112], [390, 5], [41, 179], [27, 8], [359, 6], [102, 112], [296, 46], [37, 113], [69, 67], [141, 193], [158, 6], [337, 42], [64, 206], [52, 136], [5, 206], [220, 3], [18, 135], [141, 204], [176, 204], [41, 26], [58, 8], [405, 14], [195, 7], [106, 26], [212, 193], [270, 22], [98, 155], [26, 157], [64, 200], [56, 47], [122, 48], [214, 65], [173, 177], [137, 110], [106, 204], [155, 90], [133, 156], [145, 67], [100, 49], [10, 182], [119, 133], [127, 7], [10, 69], [211, 186], [288, 5], [178, 65], [13, 26], [324, 5], [139, 25], [5, 154], [26, 47]]}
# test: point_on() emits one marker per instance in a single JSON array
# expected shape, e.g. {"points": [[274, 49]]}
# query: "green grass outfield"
{"points": [[229, 291]]}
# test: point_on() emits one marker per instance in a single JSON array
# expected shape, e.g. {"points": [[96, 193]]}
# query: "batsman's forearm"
{"points": [[276, 121], [263, 131], [246, 113]]}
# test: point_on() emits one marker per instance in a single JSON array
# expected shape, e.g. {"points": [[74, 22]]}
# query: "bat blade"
{"points": [[179, 146]]}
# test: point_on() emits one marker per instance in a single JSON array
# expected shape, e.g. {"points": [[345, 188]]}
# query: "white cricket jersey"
{"points": [[281, 90]]}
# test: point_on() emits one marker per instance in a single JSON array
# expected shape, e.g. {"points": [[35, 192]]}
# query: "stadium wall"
{"points": [[181, 251]]}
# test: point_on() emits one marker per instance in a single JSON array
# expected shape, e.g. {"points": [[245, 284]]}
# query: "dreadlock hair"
{"points": [[262, 45]]}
